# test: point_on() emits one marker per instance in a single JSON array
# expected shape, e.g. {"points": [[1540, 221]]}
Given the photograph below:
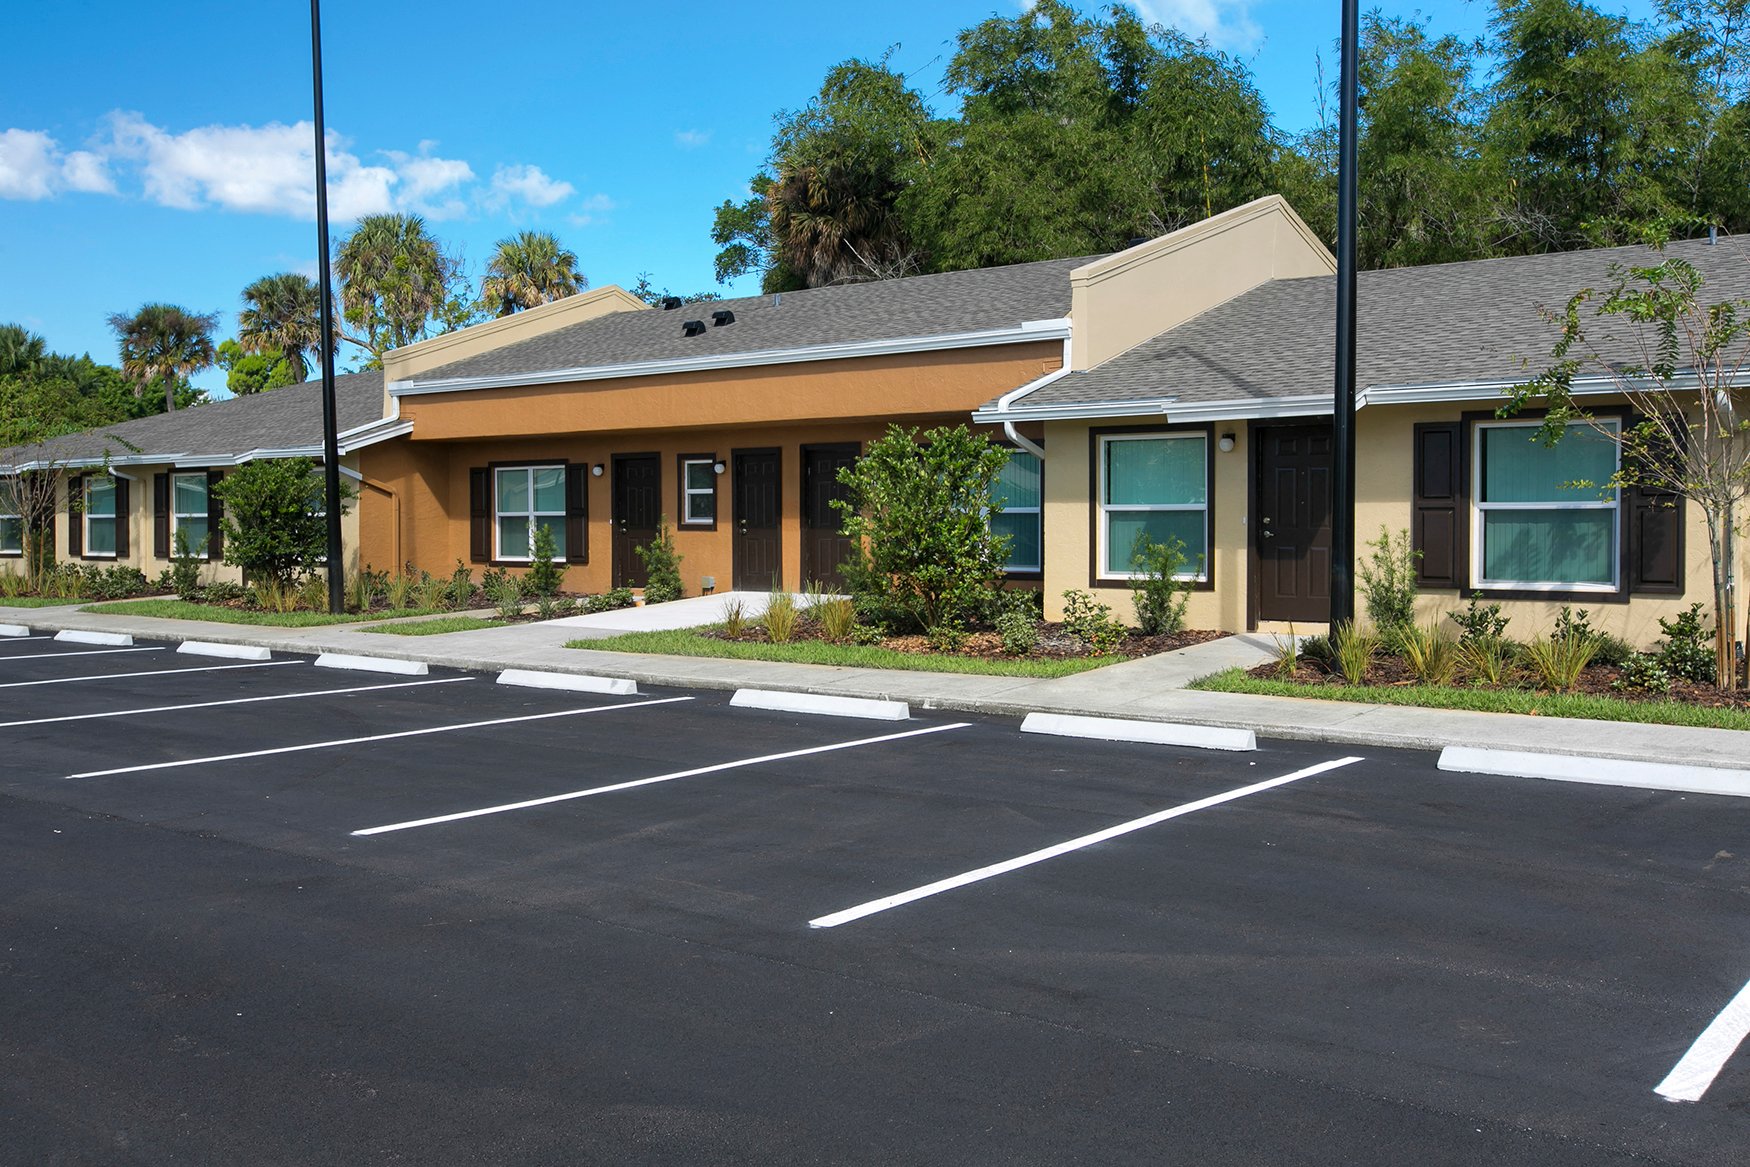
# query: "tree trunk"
{"points": [[1719, 538], [170, 395]]}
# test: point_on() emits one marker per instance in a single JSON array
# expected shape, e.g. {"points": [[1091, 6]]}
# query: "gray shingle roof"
{"points": [[1441, 324], [281, 418], [932, 305]]}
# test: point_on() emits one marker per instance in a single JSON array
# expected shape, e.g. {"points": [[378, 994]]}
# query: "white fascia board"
{"points": [[89, 463], [1070, 412], [1029, 331], [1437, 392]]}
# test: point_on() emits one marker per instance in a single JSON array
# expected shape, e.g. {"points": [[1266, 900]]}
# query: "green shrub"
{"points": [[274, 522], [553, 607], [780, 617], [917, 509], [610, 601], [544, 574], [313, 594], [12, 583], [1160, 595], [1643, 673], [1479, 622], [1388, 577], [114, 583], [461, 587], [1091, 622], [1571, 625], [223, 591], [1430, 653], [1688, 651], [1352, 650], [430, 591], [508, 597], [662, 567], [1018, 629]]}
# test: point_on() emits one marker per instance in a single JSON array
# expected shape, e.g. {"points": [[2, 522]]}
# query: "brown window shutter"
{"points": [[161, 515], [1655, 541], [480, 514], [75, 516], [123, 518], [215, 517], [1436, 526], [577, 513]]}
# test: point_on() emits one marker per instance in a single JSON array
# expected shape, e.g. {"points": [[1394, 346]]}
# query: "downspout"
{"points": [[1003, 403]]}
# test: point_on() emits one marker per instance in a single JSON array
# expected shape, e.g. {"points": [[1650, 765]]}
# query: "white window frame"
{"points": [[1479, 508], [688, 491], [85, 516], [531, 514], [6, 494], [177, 516], [1038, 514], [1103, 532]]}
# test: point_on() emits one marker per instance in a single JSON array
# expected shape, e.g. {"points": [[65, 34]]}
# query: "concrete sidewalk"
{"points": [[1151, 688]]}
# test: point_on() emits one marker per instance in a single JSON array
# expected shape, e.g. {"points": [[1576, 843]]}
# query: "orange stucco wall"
{"points": [[417, 512]]}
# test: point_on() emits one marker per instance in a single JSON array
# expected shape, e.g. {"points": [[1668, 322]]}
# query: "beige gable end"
{"points": [[1124, 299]]}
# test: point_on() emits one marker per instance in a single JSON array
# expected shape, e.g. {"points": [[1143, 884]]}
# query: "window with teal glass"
{"points": [[1545, 517], [529, 497], [188, 493], [11, 523], [1155, 485], [100, 516], [1018, 489]]}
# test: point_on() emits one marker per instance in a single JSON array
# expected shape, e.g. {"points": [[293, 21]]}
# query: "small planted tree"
{"points": [[918, 513], [662, 567], [276, 528], [544, 573], [1681, 362]]}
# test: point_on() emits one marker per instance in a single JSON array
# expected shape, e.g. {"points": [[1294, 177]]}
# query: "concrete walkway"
{"points": [[1150, 688]]}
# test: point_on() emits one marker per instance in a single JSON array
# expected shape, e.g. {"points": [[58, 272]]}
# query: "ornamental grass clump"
{"points": [[1559, 660], [1287, 653], [508, 598], [837, 618], [734, 618], [13, 583], [781, 617], [1430, 653], [1352, 650], [1487, 660]]}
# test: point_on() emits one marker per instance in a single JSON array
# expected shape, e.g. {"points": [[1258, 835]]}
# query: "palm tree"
{"points": [[837, 223], [393, 277], [163, 342], [282, 317], [21, 350], [529, 269]]}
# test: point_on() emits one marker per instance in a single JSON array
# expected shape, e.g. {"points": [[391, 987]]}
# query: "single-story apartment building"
{"points": [[1180, 387]]}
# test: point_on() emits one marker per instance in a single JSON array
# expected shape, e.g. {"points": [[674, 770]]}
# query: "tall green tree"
{"points": [[21, 350], [164, 344], [398, 285], [282, 318], [248, 373], [528, 269]]}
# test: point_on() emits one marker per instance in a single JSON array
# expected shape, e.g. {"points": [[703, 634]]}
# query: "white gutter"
{"points": [[1073, 411], [1026, 331], [1004, 403]]}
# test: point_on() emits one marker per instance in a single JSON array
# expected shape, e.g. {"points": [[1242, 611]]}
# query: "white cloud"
{"points": [[32, 167], [1227, 23], [431, 185], [526, 184], [591, 211], [692, 139]]}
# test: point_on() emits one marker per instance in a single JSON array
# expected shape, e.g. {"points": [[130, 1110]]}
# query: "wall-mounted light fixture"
{"points": [[716, 467], [596, 470], [1226, 444]]}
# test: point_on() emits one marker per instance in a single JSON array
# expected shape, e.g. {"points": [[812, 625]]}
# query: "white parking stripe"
{"points": [[376, 737], [1052, 852], [552, 798], [269, 664], [22, 639], [81, 652], [1690, 1078], [231, 701]]}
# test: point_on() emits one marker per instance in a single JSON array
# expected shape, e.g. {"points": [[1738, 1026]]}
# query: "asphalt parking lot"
{"points": [[257, 912]]}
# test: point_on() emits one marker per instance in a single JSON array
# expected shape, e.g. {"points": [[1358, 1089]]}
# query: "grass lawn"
{"points": [[688, 642], [437, 627], [35, 602], [1582, 705], [183, 610]]}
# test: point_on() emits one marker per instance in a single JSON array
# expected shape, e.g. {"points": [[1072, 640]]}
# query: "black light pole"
{"points": [[325, 281], [1343, 413]]}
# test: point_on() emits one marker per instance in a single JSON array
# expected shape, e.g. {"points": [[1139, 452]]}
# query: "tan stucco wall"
{"points": [[1383, 492], [953, 382], [401, 363], [139, 520], [1124, 299]]}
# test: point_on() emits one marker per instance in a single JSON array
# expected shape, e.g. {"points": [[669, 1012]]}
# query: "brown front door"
{"points": [[1291, 527], [637, 510], [824, 550], [758, 540]]}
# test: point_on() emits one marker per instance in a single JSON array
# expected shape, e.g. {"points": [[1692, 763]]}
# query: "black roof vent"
{"points": [[670, 303], [693, 328], [721, 317]]}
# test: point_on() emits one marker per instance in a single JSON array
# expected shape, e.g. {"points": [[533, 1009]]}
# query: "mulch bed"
{"points": [[1390, 671], [1054, 643]]}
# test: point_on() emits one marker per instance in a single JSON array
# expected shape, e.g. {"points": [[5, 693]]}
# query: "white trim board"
{"points": [[1597, 771]]}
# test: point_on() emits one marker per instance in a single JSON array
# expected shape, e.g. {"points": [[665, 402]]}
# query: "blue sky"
{"points": [[166, 158]]}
